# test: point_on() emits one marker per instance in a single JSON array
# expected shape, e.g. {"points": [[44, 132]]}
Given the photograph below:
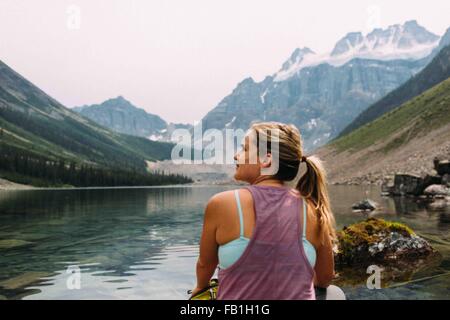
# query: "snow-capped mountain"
{"points": [[393, 42], [322, 93], [297, 58], [407, 41]]}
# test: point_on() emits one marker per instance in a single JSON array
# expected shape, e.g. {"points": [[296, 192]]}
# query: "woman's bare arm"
{"points": [[208, 258], [324, 268]]}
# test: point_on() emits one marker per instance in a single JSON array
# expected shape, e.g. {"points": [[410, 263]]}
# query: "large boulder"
{"points": [[407, 184], [430, 180], [442, 167], [376, 241], [437, 190]]}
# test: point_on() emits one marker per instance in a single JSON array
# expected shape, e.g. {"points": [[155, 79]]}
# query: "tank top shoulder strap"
{"points": [[239, 207], [304, 218]]}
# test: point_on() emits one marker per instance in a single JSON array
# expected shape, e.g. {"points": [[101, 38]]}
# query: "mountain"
{"points": [[409, 41], [445, 41], [396, 42], [323, 93], [405, 140], [434, 73], [36, 125], [122, 116], [298, 58]]}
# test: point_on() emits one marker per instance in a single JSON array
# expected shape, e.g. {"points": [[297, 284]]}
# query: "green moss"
{"points": [[399, 227]]}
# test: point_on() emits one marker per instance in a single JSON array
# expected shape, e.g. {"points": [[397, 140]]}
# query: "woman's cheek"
{"points": [[240, 174]]}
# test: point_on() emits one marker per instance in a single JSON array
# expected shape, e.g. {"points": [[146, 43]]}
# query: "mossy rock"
{"points": [[378, 241]]}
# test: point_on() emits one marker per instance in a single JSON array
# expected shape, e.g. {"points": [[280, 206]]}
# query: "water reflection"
{"points": [[113, 232], [141, 243]]}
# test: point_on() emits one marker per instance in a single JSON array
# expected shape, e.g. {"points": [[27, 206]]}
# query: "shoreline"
{"points": [[6, 185]]}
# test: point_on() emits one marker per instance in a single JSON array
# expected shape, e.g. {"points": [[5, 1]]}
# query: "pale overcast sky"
{"points": [[179, 58]]}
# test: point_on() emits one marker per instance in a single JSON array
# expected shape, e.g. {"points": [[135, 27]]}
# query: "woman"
{"points": [[269, 240]]}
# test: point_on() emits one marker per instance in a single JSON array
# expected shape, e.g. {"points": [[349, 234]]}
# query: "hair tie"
{"points": [[303, 159]]}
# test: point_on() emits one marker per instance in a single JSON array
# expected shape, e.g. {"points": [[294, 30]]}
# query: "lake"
{"points": [[142, 243]]}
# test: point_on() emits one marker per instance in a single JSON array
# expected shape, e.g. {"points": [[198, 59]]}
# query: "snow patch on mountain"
{"points": [[263, 96], [155, 137], [311, 124], [409, 41], [230, 123]]}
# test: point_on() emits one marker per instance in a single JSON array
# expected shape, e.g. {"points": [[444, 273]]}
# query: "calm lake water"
{"points": [[142, 243]]}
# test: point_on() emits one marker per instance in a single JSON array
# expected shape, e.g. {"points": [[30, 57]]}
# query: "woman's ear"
{"points": [[269, 165], [266, 161]]}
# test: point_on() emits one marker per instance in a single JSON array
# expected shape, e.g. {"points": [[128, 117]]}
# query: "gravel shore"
{"points": [[8, 185]]}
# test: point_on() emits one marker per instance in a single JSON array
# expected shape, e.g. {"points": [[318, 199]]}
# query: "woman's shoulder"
{"points": [[225, 197], [219, 205]]}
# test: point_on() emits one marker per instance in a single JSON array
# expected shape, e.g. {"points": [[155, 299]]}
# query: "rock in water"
{"points": [[442, 167], [364, 205], [437, 190], [407, 184], [430, 180], [376, 241]]}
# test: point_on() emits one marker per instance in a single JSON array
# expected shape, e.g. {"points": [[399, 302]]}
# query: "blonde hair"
{"points": [[313, 184]]}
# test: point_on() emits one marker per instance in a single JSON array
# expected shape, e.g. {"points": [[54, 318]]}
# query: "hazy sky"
{"points": [[179, 58]]}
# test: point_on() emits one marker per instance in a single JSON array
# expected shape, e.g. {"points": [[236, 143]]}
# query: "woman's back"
{"points": [[274, 264], [271, 262]]}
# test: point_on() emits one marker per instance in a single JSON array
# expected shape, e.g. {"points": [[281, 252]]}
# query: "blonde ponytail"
{"points": [[313, 187]]}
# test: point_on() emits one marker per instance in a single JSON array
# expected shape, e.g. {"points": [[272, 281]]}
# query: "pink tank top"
{"points": [[274, 265]]}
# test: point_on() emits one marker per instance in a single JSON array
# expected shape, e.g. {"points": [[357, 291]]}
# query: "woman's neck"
{"points": [[267, 181]]}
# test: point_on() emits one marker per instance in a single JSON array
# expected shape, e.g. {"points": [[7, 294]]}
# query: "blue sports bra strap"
{"points": [[241, 218], [304, 217]]}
